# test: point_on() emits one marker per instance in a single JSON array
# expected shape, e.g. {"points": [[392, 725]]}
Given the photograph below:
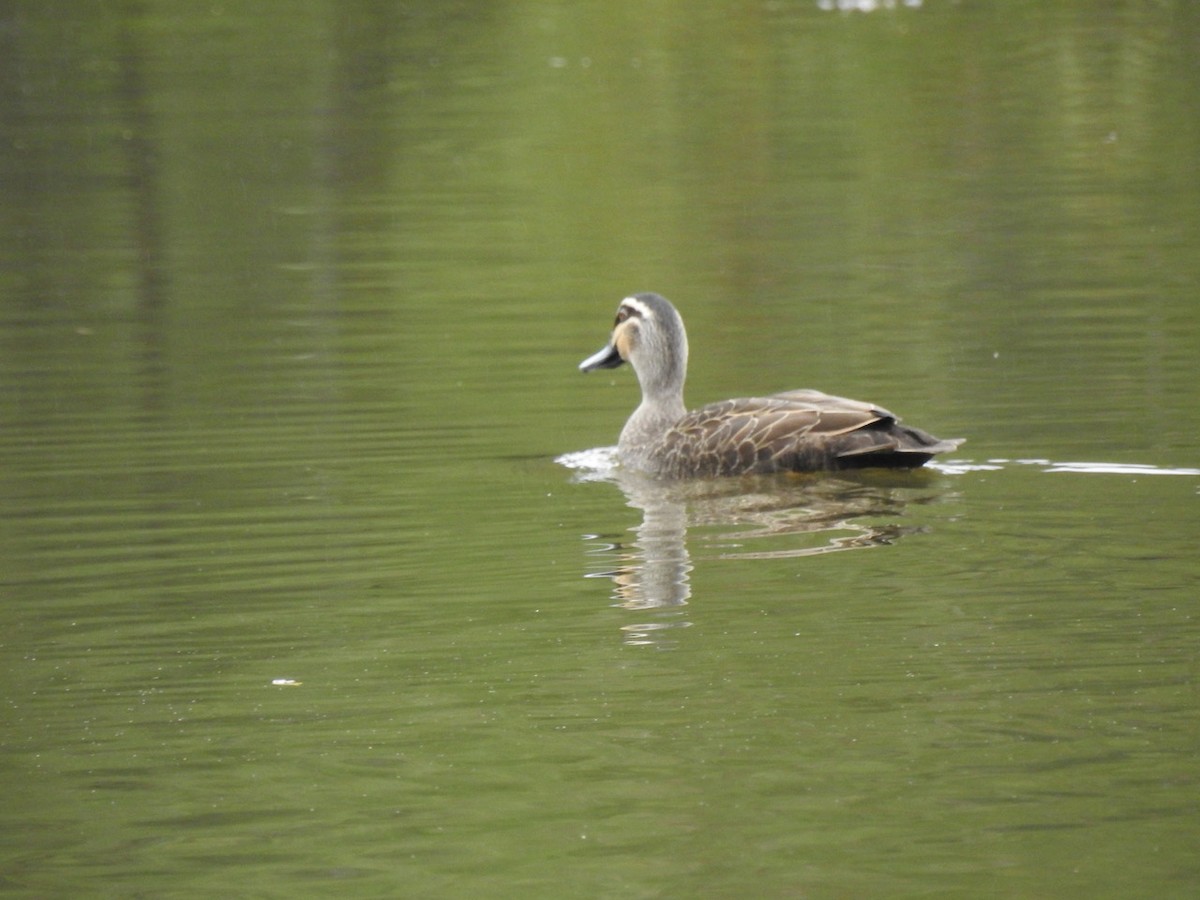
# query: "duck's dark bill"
{"points": [[608, 358]]}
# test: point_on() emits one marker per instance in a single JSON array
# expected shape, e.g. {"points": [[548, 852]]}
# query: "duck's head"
{"points": [[648, 334]]}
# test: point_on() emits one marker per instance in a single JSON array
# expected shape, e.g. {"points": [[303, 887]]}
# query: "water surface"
{"points": [[317, 578]]}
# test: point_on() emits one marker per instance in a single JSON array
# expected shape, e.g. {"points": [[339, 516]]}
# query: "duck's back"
{"points": [[798, 431]]}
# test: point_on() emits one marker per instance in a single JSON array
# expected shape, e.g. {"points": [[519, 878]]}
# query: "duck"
{"points": [[793, 431]]}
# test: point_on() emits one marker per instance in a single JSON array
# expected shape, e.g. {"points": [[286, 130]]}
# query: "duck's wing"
{"points": [[797, 431], [910, 446], [821, 400]]}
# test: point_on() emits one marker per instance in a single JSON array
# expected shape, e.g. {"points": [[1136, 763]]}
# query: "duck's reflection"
{"points": [[767, 517]]}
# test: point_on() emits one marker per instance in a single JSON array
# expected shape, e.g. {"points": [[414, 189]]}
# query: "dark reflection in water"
{"points": [[767, 517]]}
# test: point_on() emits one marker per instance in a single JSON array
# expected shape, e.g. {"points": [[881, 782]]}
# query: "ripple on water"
{"points": [[960, 467]]}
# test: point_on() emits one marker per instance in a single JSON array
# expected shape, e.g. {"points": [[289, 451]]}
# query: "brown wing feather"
{"points": [[795, 431]]}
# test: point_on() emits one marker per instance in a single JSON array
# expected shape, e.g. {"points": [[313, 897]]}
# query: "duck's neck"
{"points": [[662, 396], [651, 420]]}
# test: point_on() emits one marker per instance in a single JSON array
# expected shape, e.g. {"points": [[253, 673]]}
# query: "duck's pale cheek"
{"points": [[623, 341]]}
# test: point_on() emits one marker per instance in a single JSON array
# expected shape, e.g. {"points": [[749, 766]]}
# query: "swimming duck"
{"points": [[797, 431]]}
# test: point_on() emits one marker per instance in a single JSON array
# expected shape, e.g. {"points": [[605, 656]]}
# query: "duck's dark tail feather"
{"points": [[895, 446]]}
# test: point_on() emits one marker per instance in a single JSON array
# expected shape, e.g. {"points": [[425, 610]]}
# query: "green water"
{"points": [[300, 597]]}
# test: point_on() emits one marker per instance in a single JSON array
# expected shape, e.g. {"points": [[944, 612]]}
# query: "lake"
{"points": [[319, 579]]}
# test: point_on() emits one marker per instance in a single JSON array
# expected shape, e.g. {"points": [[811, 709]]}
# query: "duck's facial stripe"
{"points": [[632, 307]]}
